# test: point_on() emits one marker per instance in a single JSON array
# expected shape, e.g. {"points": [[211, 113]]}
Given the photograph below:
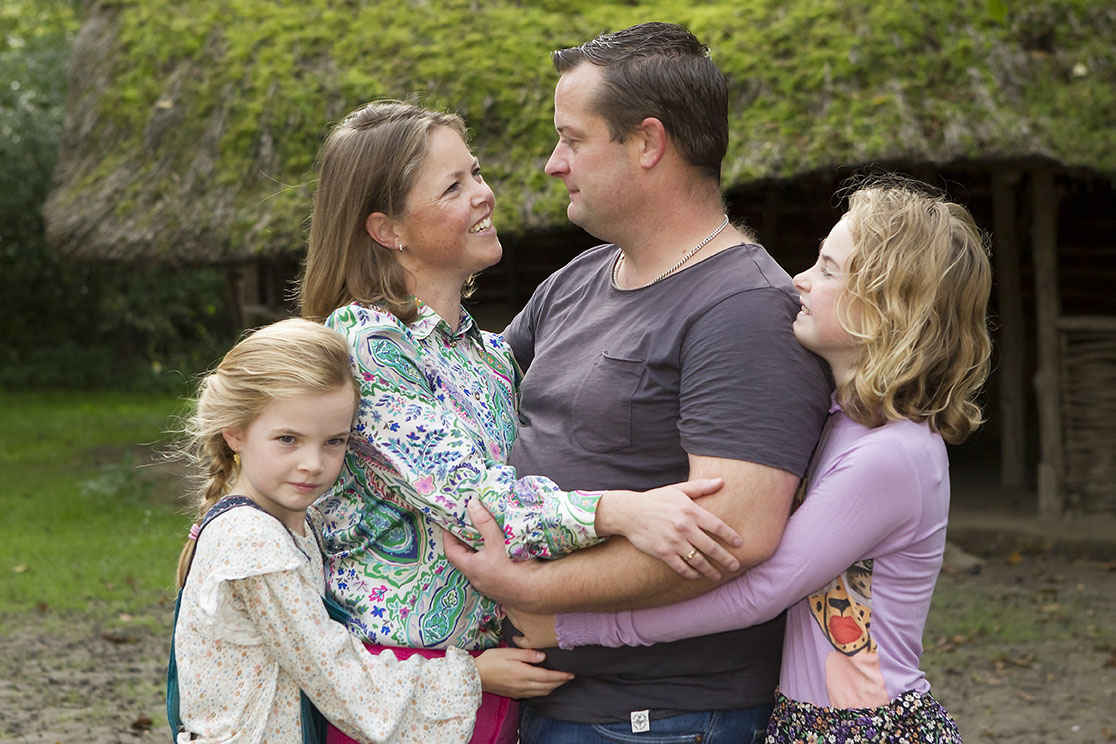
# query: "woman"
{"points": [[402, 219], [896, 306]]}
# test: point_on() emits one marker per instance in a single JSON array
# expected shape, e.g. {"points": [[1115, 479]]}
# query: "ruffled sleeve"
{"points": [[241, 544], [260, 586], [373, 698]]}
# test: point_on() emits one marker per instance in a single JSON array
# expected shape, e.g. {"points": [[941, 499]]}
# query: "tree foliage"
{"points": [[65, 323]]}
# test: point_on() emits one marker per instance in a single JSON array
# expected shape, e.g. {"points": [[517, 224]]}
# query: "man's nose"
{"points": [[556, 165]]}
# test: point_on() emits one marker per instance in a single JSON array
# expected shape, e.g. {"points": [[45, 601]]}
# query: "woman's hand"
{"points": [[666, 523], [511, 672], [537, 631]]}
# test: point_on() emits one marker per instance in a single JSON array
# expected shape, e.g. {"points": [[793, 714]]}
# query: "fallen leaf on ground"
{"points": [[112, 637], [1026, 661]]}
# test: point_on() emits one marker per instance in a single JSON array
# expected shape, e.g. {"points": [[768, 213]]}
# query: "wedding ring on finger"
{"points": [[690, 556]]}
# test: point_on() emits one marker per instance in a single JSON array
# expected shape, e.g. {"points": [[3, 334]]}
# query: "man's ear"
{"points": [[381, 228], [652, 138]]}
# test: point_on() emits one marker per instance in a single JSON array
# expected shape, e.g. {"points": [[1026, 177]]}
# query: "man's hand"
{"points": [[489, 569]]}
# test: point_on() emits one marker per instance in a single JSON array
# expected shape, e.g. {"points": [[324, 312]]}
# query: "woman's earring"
{"points": [[399, 247], [236, 459]]}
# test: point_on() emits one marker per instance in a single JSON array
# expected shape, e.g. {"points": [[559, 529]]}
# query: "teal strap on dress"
{"points": [[173, 716]]}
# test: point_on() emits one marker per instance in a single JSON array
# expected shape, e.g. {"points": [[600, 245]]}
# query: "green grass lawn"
{"points": [[87, 525]]}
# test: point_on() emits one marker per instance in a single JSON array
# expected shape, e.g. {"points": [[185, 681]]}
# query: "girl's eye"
{"points": [[477, 173], [337, 441], [287, 439]]}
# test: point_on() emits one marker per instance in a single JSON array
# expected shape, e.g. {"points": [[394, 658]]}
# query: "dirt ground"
{"points": [[100, 686], [1058, 687]]}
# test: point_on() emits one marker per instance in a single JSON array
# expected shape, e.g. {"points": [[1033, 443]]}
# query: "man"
{"points": [[665, 355]]}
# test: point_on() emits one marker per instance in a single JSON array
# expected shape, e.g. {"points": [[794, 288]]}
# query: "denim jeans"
{"points": [[746, 726]]}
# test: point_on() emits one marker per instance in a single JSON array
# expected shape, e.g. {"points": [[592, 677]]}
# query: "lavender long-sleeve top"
{"points": [[857, 566]]}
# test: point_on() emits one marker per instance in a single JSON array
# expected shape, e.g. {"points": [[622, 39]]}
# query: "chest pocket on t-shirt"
{"points": [[602, 410]]}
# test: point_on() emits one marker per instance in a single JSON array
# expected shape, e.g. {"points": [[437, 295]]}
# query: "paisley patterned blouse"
{"points": [[436, 421]]}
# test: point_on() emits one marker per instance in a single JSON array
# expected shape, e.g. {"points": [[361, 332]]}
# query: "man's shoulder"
{"points": [[586, 263], [740, 281], [745, 267], [573, 278]]}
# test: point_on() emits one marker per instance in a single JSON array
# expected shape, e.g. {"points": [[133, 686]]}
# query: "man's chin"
{"points": [[576, 215]]}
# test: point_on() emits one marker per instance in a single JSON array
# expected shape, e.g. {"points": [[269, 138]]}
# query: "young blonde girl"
{"points": [[268, 435], [896, 306]]}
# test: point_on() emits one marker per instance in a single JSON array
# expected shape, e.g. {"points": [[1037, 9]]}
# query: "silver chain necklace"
{"points": [[689, 254]]}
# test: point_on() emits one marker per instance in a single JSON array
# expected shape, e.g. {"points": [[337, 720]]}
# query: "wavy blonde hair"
{"points": [[368, 164], [285, 359], [919, 281]]}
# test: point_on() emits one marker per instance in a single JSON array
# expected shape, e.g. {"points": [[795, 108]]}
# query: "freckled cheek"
{"points": [[335, 461]]}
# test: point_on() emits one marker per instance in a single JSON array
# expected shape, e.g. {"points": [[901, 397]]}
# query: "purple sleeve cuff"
{"points": [[579, 629]]}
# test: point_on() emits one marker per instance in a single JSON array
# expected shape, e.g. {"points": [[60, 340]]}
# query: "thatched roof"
{"points": [[193, 125]]}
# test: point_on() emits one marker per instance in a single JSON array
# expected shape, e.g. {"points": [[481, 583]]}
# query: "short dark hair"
{"points": [[659, 70]]}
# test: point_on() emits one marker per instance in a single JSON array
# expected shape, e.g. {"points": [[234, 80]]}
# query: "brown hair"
{"points": [[367, 164], [281, 360], [659, 70], [919, 279]]}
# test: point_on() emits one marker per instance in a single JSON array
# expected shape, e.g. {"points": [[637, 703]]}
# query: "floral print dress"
{"points": [[252, 632]]}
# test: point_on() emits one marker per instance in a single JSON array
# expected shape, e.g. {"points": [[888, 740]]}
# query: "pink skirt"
{"points": [[497, 717]]}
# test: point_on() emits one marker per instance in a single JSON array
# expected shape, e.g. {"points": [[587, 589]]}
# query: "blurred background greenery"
{"points": [[98, 350], [79, 325]]}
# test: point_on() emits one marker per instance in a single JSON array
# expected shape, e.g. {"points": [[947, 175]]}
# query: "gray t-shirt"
{"points": [[619, 386]]}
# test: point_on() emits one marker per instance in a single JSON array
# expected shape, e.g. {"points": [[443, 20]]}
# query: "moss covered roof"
{"points": [[193, 125]]}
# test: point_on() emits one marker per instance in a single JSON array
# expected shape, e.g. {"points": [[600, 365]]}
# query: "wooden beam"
{"points": [[234, 296], [1009, 295], [1044, 247]]}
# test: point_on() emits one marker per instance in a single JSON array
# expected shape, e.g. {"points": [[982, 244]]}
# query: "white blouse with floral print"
{"points": [[252, 630]]}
